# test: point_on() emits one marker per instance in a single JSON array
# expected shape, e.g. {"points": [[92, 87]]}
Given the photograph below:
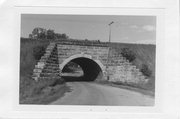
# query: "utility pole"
{"points": [[109, 47]]}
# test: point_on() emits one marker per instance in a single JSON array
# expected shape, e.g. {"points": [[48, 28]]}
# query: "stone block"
{"points": [[41, 65], [36, 74], [35, 78], [37, 70]]}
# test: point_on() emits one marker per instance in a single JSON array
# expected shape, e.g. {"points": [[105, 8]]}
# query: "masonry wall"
{"points": [[97, 53], [118, 68], [42, 62]]}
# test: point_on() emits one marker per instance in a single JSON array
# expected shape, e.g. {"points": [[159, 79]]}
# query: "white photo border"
{"points": [[159, 13]]}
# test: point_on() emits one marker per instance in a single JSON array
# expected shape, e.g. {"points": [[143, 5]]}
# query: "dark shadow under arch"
{"points": [[91, 69]]}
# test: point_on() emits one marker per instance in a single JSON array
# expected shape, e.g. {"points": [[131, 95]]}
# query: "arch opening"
{"points": [[87, 68]]}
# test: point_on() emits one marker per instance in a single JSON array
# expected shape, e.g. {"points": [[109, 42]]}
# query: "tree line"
{"points": [[41, 33]]}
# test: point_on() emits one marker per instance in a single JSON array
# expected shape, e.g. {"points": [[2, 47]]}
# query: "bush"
{"points": [[128, 54], [145, 70], [42, 84], [38, 52]]}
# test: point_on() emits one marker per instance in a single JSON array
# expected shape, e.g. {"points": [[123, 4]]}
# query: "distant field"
{"points": [[145, 54]]}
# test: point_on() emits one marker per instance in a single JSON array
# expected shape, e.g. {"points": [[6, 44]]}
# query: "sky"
{"points": [[125, 29]]}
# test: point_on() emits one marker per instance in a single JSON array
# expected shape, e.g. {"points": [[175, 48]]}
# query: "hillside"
{"points": [[145, 54], [32, 92], [27, 61]]}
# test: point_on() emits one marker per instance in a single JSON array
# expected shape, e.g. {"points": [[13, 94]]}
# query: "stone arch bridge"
{"points": [[97, 60]]}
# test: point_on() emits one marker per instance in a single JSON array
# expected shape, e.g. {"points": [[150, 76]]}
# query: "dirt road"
{"points": [[87, 93]]}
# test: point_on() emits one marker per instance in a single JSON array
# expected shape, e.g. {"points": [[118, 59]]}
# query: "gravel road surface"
{"points": [[89, 93]]}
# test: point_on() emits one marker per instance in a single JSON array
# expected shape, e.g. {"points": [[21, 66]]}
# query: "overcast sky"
{"points": [[128, 29]]}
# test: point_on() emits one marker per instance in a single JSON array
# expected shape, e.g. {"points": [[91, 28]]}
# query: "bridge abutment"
{"points": [[93, 59]]}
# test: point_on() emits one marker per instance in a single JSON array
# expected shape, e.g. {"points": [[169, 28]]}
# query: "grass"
{"points": [[32, 92], [43, 93], [27, 60], [145, 54]]}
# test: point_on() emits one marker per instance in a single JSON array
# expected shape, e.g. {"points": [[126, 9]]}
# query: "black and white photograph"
{"points": [[106, 60], [89, 59]]}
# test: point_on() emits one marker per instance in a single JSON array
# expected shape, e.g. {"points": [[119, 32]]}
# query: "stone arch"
{"points": [[92, 68]]}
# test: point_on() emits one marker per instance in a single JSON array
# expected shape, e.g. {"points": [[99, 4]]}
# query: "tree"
{"points": [[128, 54], [58, 36], [39, 33], [64, 36], [42, 34], [50, 34], [145, 70]]}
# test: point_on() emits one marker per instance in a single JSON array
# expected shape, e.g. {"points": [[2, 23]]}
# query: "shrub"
{"points": [[145, 70], [42, 84], [38, 52], [128, 54]]}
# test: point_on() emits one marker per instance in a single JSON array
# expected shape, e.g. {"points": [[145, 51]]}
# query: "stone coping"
{"points": [[83, 42]]}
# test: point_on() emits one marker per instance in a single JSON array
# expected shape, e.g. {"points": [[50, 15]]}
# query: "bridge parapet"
{"points": [[82, 42]]}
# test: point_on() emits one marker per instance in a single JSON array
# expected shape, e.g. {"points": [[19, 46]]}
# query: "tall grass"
{"points": [[27, 60], [145, 54], [32, 92]]}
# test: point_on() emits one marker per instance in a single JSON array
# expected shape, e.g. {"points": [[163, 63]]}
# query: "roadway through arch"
{"points": [[92, 69]]}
